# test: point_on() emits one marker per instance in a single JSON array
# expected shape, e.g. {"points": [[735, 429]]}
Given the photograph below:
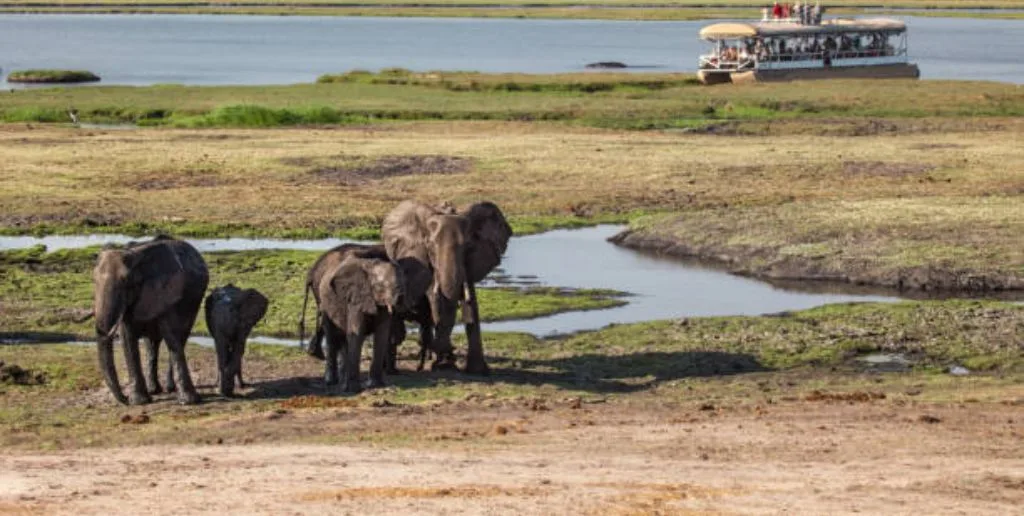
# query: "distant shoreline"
{"points": [[552, 9]]}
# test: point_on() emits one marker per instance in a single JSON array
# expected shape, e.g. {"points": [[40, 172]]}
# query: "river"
{"points": [[206, 49]]}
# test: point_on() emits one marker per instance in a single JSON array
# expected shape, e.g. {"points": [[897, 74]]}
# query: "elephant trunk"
{"points": [[451, 274], [105, 346]]}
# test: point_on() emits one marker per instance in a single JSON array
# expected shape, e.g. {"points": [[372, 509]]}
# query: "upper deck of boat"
{"points": [[787, 27]]}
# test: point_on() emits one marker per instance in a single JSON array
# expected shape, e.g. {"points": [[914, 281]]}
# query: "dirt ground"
{"points": [[812, 455]]}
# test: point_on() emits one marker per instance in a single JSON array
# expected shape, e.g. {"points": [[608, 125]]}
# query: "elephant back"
{"points": [[405, 231]]}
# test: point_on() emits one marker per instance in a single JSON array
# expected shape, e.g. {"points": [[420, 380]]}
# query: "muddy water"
{"points": [[660, 288]]}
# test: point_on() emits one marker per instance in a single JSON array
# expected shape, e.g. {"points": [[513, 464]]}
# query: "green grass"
{"points": [[632, 101], [42, 293], [52, 76]]}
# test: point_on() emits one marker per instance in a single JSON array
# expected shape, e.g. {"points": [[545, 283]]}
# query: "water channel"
{"points": [[660, 288], [205, 50]]}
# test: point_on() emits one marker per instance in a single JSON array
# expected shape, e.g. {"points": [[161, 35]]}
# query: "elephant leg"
{"points": [[395, 340], [153, 363], [442, 339], [130, 342], [172, 386], [475, 363], [225, 378], [171, 332], [426, 344], [333, 337], [315, 347], [237, 364], [353, 354], [381, 348]]}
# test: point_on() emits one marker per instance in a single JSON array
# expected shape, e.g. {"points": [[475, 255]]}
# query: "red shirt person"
{"points": [[777, 11]]}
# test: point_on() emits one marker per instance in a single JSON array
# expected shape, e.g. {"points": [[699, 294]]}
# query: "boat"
{"points": [[805, 47]]}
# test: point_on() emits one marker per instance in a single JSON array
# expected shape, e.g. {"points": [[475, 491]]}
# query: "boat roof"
{"points": [[774, 28]]}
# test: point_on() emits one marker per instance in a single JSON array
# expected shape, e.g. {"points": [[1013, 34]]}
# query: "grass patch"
{"points": [[52, 76], [933, 243], [43, 293], [613, 100], [515, 83]]}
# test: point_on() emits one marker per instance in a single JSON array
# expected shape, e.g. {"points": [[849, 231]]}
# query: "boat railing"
{"points": [[716, 62]]}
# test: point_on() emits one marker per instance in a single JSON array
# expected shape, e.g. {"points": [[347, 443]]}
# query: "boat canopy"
{"points": [[721, 31]]}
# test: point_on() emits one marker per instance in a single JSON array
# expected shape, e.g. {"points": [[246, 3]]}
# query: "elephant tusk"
{"points": [[82, 318], [465, 290], [391, 309]]}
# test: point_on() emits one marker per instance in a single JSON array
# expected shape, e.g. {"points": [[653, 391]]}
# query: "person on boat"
{"points": [[786, 11], [776, 11], [760, 50], [797, 8], [816, 13]]}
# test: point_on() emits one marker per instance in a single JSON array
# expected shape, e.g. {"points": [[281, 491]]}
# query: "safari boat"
{"points": [[805, 47]]}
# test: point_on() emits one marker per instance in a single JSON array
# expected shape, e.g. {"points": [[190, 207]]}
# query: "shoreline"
{"points": [[921, 280]]}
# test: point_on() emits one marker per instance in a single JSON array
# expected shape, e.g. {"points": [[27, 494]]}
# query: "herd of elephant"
{"points": [[428, 265]]}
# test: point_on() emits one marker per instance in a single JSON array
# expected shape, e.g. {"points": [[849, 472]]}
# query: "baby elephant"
{"points": [[230, 315], [359, 297]]}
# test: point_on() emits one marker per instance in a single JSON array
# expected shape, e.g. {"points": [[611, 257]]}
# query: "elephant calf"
{"points": [[231, 314], [358, 297]]}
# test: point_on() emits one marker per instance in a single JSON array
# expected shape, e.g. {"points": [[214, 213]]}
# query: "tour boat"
{"points": [[805, 47]]}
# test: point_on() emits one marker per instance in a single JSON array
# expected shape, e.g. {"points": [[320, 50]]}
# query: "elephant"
{"points": [[231, 314], [152, 290], [358, 297], [328, 261], [444, 255]]}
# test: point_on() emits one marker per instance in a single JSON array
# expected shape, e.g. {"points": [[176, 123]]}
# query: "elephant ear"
{"points": [[252, 306], [489, 234], [158, 277], [351, 285]]}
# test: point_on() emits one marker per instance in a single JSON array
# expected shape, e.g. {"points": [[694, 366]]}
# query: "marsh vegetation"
{"points": [[52, 76]]}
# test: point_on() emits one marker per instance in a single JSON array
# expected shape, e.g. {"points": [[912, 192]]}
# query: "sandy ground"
{"points": [[804, 457]]}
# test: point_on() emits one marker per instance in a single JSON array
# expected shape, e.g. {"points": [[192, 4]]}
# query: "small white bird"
{"points": [[74, 116]]}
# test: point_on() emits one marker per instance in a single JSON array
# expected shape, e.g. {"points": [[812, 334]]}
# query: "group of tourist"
{"points": [[804, 13], [809, 47]]}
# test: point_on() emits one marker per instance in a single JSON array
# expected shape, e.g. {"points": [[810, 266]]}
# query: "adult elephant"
{"points": [[153, 289], [444, 255]]}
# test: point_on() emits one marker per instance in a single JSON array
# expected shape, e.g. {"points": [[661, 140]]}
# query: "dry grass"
{"points": [[258, 180]]}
